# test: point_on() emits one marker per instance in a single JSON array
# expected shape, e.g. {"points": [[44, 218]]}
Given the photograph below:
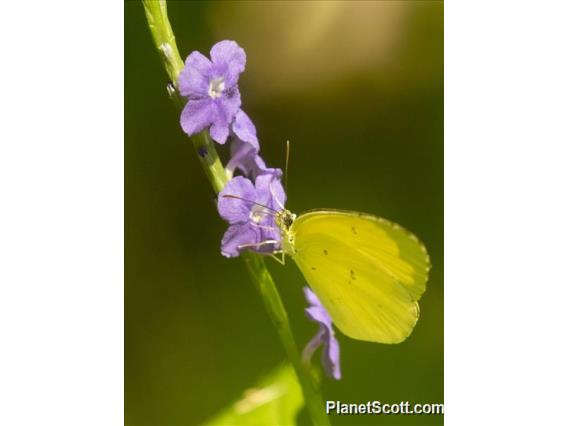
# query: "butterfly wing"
{"points": [[368, 272]]}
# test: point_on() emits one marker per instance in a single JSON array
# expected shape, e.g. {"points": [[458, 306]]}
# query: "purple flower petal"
{"points": [[311, 297], [330, 358], [225, 109], [325, 337], [313, 345], [193, 81], [242, 154], [319, 314], [270, 191], [219, 131], [236, 210], [196, 116], [230, 59], [245, 130], [259, 168], [245, 158], [236, 236]]}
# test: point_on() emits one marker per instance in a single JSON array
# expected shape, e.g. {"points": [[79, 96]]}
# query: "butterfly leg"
{"points": [[282, 259], [257, 245]]}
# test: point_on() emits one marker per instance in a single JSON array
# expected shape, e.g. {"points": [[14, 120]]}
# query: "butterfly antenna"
{"points": [[236, 197], [286, 167]]}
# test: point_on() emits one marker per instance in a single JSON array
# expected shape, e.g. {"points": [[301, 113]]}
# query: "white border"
{"points": [[61, 217], [61, 214], [506, 212]]}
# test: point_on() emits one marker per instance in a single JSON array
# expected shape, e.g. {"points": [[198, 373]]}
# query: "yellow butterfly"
{"points": [[368, 273]]}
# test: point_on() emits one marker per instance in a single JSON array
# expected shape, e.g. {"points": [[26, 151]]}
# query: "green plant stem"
{"points": [[271, 298], [164, 40], [210, 161]]}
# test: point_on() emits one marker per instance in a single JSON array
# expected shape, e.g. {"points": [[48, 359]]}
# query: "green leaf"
{"points": [[275, 400]]}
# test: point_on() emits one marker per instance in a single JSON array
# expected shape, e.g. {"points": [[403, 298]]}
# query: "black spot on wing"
{"points": [[325, 252], [354, 230]]}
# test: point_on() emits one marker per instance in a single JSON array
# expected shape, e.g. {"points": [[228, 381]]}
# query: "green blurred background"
{"points": [[357, 87]]}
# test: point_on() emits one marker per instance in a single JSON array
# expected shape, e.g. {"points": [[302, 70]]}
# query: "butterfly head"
{"points": [[284, 219]]}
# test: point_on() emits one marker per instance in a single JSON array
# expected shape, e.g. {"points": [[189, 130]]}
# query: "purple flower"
{"points": [[247, 160], [244, 150], [211, 87], [251, 214], [325, 336], [244, 130]]}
